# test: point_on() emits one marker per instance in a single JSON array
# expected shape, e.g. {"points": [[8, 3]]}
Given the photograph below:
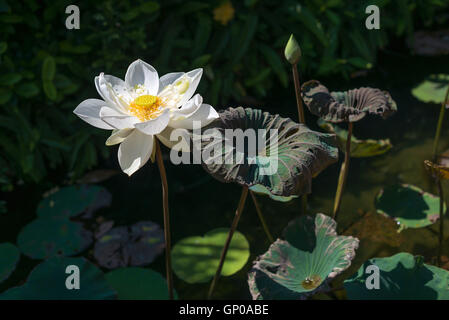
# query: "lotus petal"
{"points": [[302, 264], [346, 106], [279, 154]]}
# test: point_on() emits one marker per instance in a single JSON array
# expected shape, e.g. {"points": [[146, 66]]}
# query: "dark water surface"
{"points": [[199, 203]]}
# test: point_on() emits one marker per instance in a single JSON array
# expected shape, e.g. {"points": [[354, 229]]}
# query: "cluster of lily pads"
{"points": [[302, 262]]}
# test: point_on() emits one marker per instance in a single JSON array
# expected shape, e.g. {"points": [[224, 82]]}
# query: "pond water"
{"points": [[199, 203]]}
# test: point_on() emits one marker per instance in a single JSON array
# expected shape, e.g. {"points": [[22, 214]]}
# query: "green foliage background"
{"points": [[46, 70]]}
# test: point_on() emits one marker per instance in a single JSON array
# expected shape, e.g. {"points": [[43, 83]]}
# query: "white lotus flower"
{"points": [[143, 107]]}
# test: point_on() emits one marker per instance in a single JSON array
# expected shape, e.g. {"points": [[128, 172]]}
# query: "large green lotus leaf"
{"points": [[74, 200], [48, 237], [346, 106], [288, 156], [301, 265], [401, 277], [138, 284], [260, 189], [137, 245], [9, 256], [47, 281], [432, 89], [359, 148], [196, 259], [409, 206]]}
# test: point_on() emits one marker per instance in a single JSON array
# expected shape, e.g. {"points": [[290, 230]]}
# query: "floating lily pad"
{"points": [[432, 89], [260, 189], [9, 256], [409, 206], [287, 157], [47, 281], [301, 265], [346, 106], [137, 245], [196, 259], [74, 200], [138, 284], [359, 148], [401, 277], [48, 237]]}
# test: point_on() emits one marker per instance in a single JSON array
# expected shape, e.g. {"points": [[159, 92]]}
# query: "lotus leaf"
{"points": [[196, 259], [432, 89], [401, 277], [359, 148], [436, 170], [302, 264], [74, 200], [48, 237], [409, 206], [260, 189], [289, 154], [346, 106], [138, 245], [138, 284], [47, 281], [9, 256]]}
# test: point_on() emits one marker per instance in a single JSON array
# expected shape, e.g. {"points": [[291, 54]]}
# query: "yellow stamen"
{"points": [[146, 107]]}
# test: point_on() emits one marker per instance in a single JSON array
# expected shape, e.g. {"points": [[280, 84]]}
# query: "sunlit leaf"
{"points": [[432, 89], [196, 259], [302, 264], [408, 205]]}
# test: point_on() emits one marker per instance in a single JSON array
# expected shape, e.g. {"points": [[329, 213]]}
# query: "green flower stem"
{"points": [[235, 222], [261, 217], [441, 233], [298, 93], [300, 116], [343, 173], [160, 164], [440, 125]]}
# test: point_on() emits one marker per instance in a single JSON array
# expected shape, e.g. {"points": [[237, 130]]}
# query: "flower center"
{"points": [[146, 107]]}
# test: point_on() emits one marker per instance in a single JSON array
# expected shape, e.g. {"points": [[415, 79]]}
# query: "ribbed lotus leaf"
{"points": [[346, 106], [288, 156], [311, 254]]}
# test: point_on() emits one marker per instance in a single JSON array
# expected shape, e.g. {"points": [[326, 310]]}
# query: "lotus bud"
{"points": [[292, 51]]}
